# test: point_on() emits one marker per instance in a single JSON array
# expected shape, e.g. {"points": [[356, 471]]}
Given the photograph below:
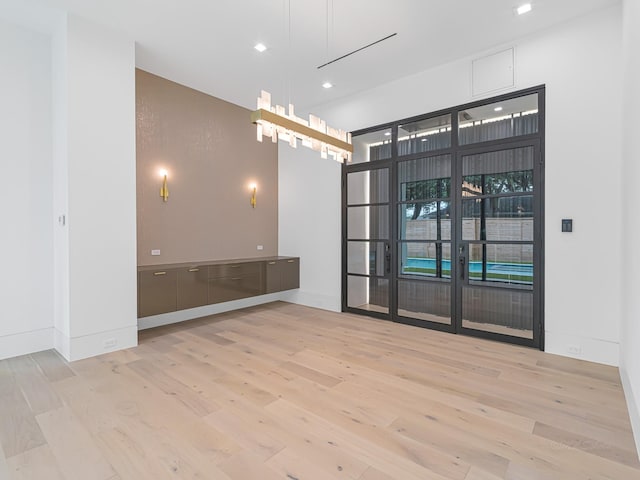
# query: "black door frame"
{"points": [[456, 151]]}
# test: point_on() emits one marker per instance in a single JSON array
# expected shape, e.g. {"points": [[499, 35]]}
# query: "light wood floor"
{"points": [[288, 392]]}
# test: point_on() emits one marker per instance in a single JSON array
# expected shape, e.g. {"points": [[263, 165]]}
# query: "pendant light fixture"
{"points": [[276, 123]]}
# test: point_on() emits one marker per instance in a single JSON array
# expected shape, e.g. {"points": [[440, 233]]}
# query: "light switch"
{"points": [[567, 224], [155, 252]]}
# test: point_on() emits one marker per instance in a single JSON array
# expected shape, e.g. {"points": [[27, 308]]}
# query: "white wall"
{"points": [[26, 243], [630, 334], [580, 63], [95, 180], [309, 224]]}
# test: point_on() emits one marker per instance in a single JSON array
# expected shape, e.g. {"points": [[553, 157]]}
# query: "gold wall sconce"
{"points": [[252, 200], [164, 190]]}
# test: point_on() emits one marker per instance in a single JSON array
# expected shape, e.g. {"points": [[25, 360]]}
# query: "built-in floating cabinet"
{"points": [[167, 288]]}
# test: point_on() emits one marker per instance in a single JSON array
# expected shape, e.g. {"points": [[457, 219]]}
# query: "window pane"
{"points": [[509, 118], [425, 178], [513, 160], [368, 222], [425, 135], [498, 183], [370, 186], [425, 221], [505, 218], [425, 301], [428, 259], [366, 258], [368, 293], [372, 146], [501, 263]]}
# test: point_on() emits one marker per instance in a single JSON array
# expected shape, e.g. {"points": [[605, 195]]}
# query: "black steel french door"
{"points": [[443, 221], [367, 224], [499, 242]]}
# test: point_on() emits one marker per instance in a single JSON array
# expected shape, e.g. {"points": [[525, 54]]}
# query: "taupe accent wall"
{"points": [[209, 149]]}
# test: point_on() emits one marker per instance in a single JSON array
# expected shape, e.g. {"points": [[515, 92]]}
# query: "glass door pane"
{"points": [[368, 252], [424, 239], [496, 251]]}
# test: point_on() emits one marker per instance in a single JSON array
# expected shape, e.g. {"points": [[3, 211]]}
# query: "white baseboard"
{"points": [[77, 348], [633, 406], [583, 348], [25, 343], [316, 300], [204, 311]]}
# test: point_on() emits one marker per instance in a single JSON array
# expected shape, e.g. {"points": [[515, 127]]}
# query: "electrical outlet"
{"points": [[260, 247], [110, 343], [155, 252], [574, 349]]}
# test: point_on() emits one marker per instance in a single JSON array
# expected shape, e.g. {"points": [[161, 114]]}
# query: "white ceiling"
{"points": [[208, 44]]}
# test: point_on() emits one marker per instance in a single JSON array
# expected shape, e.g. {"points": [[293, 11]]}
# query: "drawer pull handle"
{"points": [[272, 263], [194, 269], [290, 261], [234, 266], [159, 273], [237, 278]]}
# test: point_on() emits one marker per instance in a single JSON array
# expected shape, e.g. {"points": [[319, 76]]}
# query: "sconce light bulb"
{"points": [[164, 189], [252, 201]]}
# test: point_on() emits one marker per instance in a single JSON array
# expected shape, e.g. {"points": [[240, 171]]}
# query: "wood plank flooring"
{"points": [[282, 391]]}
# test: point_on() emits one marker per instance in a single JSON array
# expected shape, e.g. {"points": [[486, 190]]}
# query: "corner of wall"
{"points": [[315, 300], [61, 344], [632, 406]]}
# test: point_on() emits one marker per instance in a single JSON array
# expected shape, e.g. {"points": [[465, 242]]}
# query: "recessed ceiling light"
{"points": [[522, 9], [387, 133], [497, 109], [260, 47], [327, 85]]}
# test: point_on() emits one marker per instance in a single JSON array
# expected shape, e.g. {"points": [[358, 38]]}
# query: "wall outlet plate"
{"points": [[574, 349], [155, 252], [260, 247]]}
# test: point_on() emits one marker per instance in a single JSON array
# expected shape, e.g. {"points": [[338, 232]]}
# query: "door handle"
{"points": [[387, 258], [462, 259]]}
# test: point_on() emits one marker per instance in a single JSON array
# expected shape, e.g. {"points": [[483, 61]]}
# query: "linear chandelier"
{"points": [[315, 134]]}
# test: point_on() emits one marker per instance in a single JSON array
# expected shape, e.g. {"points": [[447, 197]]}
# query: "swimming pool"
{"points": [[501, 269]]}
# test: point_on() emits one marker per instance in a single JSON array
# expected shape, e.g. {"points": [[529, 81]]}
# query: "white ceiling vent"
{"points": [[493, 72]]}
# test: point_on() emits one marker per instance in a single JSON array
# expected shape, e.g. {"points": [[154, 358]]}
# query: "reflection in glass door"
{"points": [[368, 249]]}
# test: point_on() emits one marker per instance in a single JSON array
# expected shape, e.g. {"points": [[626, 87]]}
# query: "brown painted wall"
{"points": [[209, 149]]}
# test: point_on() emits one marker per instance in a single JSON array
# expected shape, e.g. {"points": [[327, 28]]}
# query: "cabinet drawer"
{"points": [[234, 288], [156, 292], [235, 270], [192, 287]]}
